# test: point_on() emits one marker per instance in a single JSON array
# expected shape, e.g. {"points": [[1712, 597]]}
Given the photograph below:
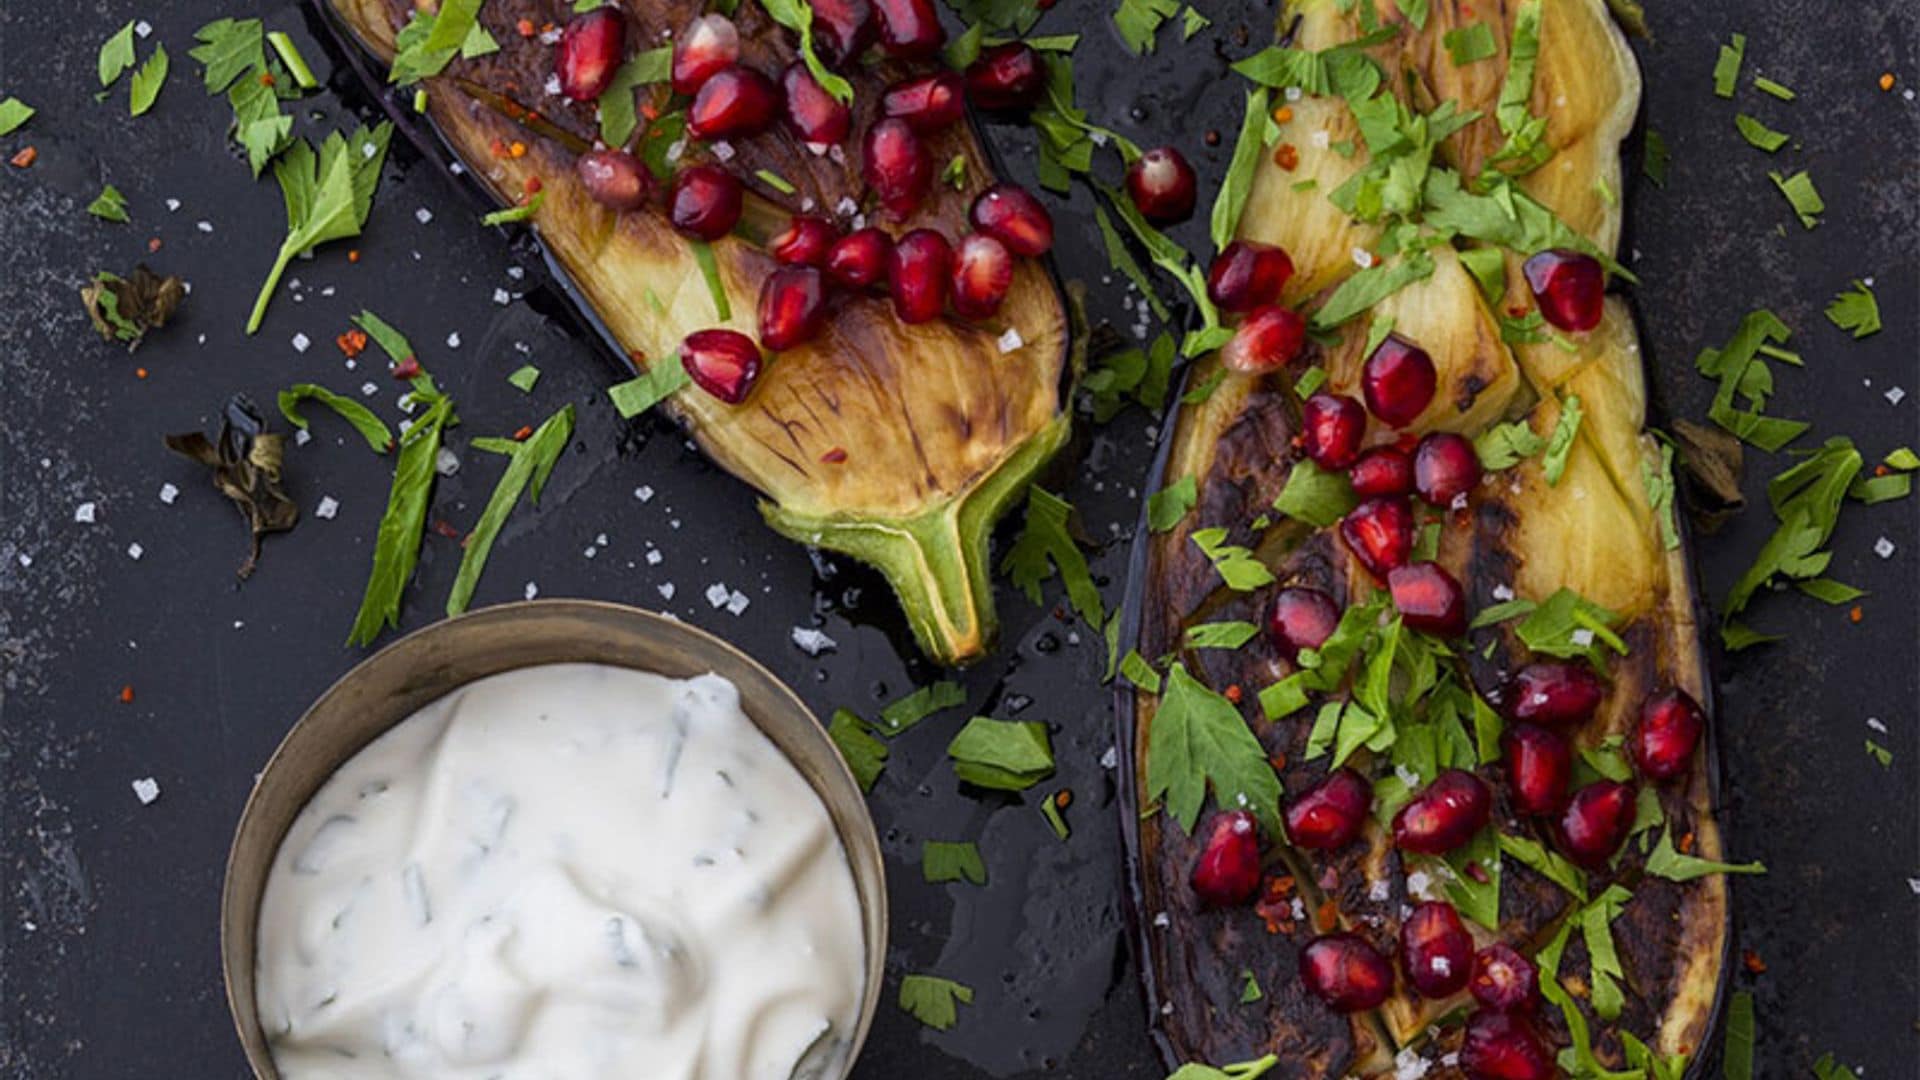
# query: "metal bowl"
{"points": [[392, 684]]}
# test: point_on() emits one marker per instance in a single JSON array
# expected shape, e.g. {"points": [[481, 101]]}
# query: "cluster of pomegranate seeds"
{"points": [[1246, 275], [1302, 617], [928, 103], [815, 115], [1435, 949], [1445, 467], [1346, 972], [592, 47], [614, 178], [724, 363], [793, 307], [918, 274], [859, 260], [1539, 768], [1502, 979], [1228, 871], [1383, 470], [1010, 214], [1595, 822], [1555, 692], [1162, 185], [1398, 381], [1443, 815], [909, 29], [1429, 599], [1009, 76], [1331, 427], [805, 241], [1269, 338], [1330, 814], [709, 44], [1379, 533], [705, 201], [982, 274], [896, 166], [1505, 1046], [1663, 741], [1569, 286]]}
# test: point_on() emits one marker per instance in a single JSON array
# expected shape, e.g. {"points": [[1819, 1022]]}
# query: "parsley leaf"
{"points": [[618, 116], [1855, 310], [371, 428], [1568, 625], [1198, 741], [1736, 1055], [1656, 161], [1880, 754], [1192, 22], [1603, 960], [13, 113], [1005, 755], [228, 49], [1523, 130], [1139, 672], [902, 714], [1801, 195], [1236, 565], [1315, 495], [865, 755], [109, 205], [1045, 544], [1759, 135], [942, 861], [523, 378], [1250, 991], [1829, 1068], [1231, 201], [1139, 20], [116, 54], [931, 1000], [1245, 1070], [1670, 864], [1470, 44], [1170, 505], [1738, 370], [1477, 900], [531, 462], [147, 82], [521, 212], [1365, 288], [1137, 374], [328, 196], [1550, 864], [1121, 259], [797, 16], [1560, 443], [1661, 495], [429, 42], [1806, 501], [1726, 68], [1503, 446], [662, 379], [1220, 635], [235, 63]]}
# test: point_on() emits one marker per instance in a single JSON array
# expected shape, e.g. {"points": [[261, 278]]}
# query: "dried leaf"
{"points": [[124, 309], [1712, 460], [246, 469]]}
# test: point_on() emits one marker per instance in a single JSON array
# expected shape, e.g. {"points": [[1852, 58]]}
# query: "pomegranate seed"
{"points": [[793, 307], [805, 242], [1503, 979], [1379, 532], [1302, 617], [842, 29], [1669, 729], [1331, 427], [813, 114], [1436, 950], [1596, 821], [1330, 814], [1009, 76], [1444, 815], [1445, 467], [1383, 470], [1010, 214], [734, 102], [1246, 275], [709, 43], [1505, 1046], [1162, 185], [1555, 692], [724, 363], [1266, 341], [591, 49], [1429, 599], [614, 178], [909, 29], [897, 166], [982, 273], [1539, 769], [1570, 288], [860, 259], [1345, 972], [705, 201], [918, 275], [1398, 380], [929, 103], [1228, 873]]}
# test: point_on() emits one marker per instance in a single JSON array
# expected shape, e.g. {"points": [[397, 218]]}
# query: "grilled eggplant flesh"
{"points": [[898, 444], [1592, 528]]}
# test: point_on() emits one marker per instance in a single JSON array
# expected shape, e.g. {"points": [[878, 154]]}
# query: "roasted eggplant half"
{"points": [[1431, 582], [898, 442]]}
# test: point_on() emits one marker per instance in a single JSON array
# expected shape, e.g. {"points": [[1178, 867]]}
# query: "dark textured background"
{"points": [[108, 957]]}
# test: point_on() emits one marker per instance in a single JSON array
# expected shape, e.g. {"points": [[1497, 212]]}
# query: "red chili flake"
{"points": [[351, 343], [1516, 311], [1881, 470], [353, 255], [126, 694], [546, 28], [1275, 906], [497, 147], [153, 244], [1886, 81], [1211, 138], [1283, 114], [1857, 613], [1278, 760], [532, 185], [440, 526], [1686, 844], [525, 27], [526, 430], [27, 156], [139, 373], [1327, 916], [834, 456], [1286, 157], [649, 110], [407, 368], [1234, 693], [1063, 798], [518, 149], [1753, 962]]}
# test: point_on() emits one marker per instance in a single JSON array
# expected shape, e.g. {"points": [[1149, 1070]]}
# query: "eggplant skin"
{"points": [[1594, 531], [900, 445]]}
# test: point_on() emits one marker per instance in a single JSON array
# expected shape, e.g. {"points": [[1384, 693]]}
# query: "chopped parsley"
{"points": [[1855, 310], [1503, 446], [1220, 635], [371, 428], [662, 379], [1231, 201], [1169, 506], [797, 16], [116, 55], [1801, 195], [1192, 22], [1139, 20], [1549, 864], [1044, 546], [13, 113], [1525, 146], [1132, 374], [1806, 501], [1740, 371], [710, 272], [1668, 863], [1245, 1070], [1198, 742], [1656, 161], [1736, 1055], [1470, 44], [1603, 960], [865, 755], [109, 205], [904, 713], [1726, 69], [509, 214], [1759, 135], [1315, 495], [1560, 444], [429, 42], [146, 84], [1768, 86], [1250, 991], [1365, 288], [1236, 565], [328, 196], [529, 462], [1661, 495], [1004, 755], [618, 116], [954, 175], [1880, 754], [941, 861], [1139, 672], [932, 1000], [523, 378]]}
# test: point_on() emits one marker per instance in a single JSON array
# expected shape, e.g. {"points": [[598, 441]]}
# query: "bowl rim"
{"points": [[865, 862]]}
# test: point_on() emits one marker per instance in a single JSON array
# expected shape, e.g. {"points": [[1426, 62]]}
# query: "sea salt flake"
{"points": [[369, 388], [302, 437], [654, 558], [644, 492], [1011, 340], [1503, 593], [1162, 921], [1409, 1065], [423, 215], [26, 560], [717, 594], [446, 462], [173, 205], [1582, 637], [723, 150], [813, 642], [134, 551], [531, 590], [1883, 547], [453, 340], [1894, 395], [1379, 891], [84, 513], [168, 493], [204, 226], [146, 789], [1875, 723], [329, 506], [737, 602], [666, 591], [301, 342], [502, 297]]}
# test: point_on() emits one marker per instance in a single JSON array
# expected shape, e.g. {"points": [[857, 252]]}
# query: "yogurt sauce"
{"points": [[565, 871]]}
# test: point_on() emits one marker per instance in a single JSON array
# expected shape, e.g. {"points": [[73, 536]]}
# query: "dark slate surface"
{"points": [[108, 951]]}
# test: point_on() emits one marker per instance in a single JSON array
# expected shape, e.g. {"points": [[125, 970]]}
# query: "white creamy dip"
{"points": [[567, 871]]}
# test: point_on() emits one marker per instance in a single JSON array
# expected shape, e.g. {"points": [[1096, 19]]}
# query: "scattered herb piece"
{"points": [[228, 49], [1801, 195], [1603, 960], [1739, 371], [1139, 672], [1220, 635], [1736, 1055], [530, 462], [1198, 741], [1661, 493], [1477, 899], [1122, 260], [1051, 808], [1005, 755], [941, 861], [1139, 20], [955, 174], [902, 714], [1855, 310], [289, 54], [1245, 1070], [522, 212], [1549, 864], [1470, 44], [1768, 86], [109, 205], [145, 88], [1170, 505], [618, 116], [1236, 565], [245, 461], [1315, 495], [1829, 591], [1524, 148], [1670, 864], [1560, 444], [931, 1000], [1828, 1068], [716, 287], [797, 16], [125, 309], [865, 755], [1231, 201], [1365, 288], [1759, 135], [1655, 159], [1503, 446], [116, 55], [13, 113], [1046, 545], [1192, 22], [328, 196], [371, 428], [1568, 625], [524, 378], [1250, 991], [1880, 754], [429, 42], [1726, 69], [1806, 501], [661, 379], [1135, 374]]}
